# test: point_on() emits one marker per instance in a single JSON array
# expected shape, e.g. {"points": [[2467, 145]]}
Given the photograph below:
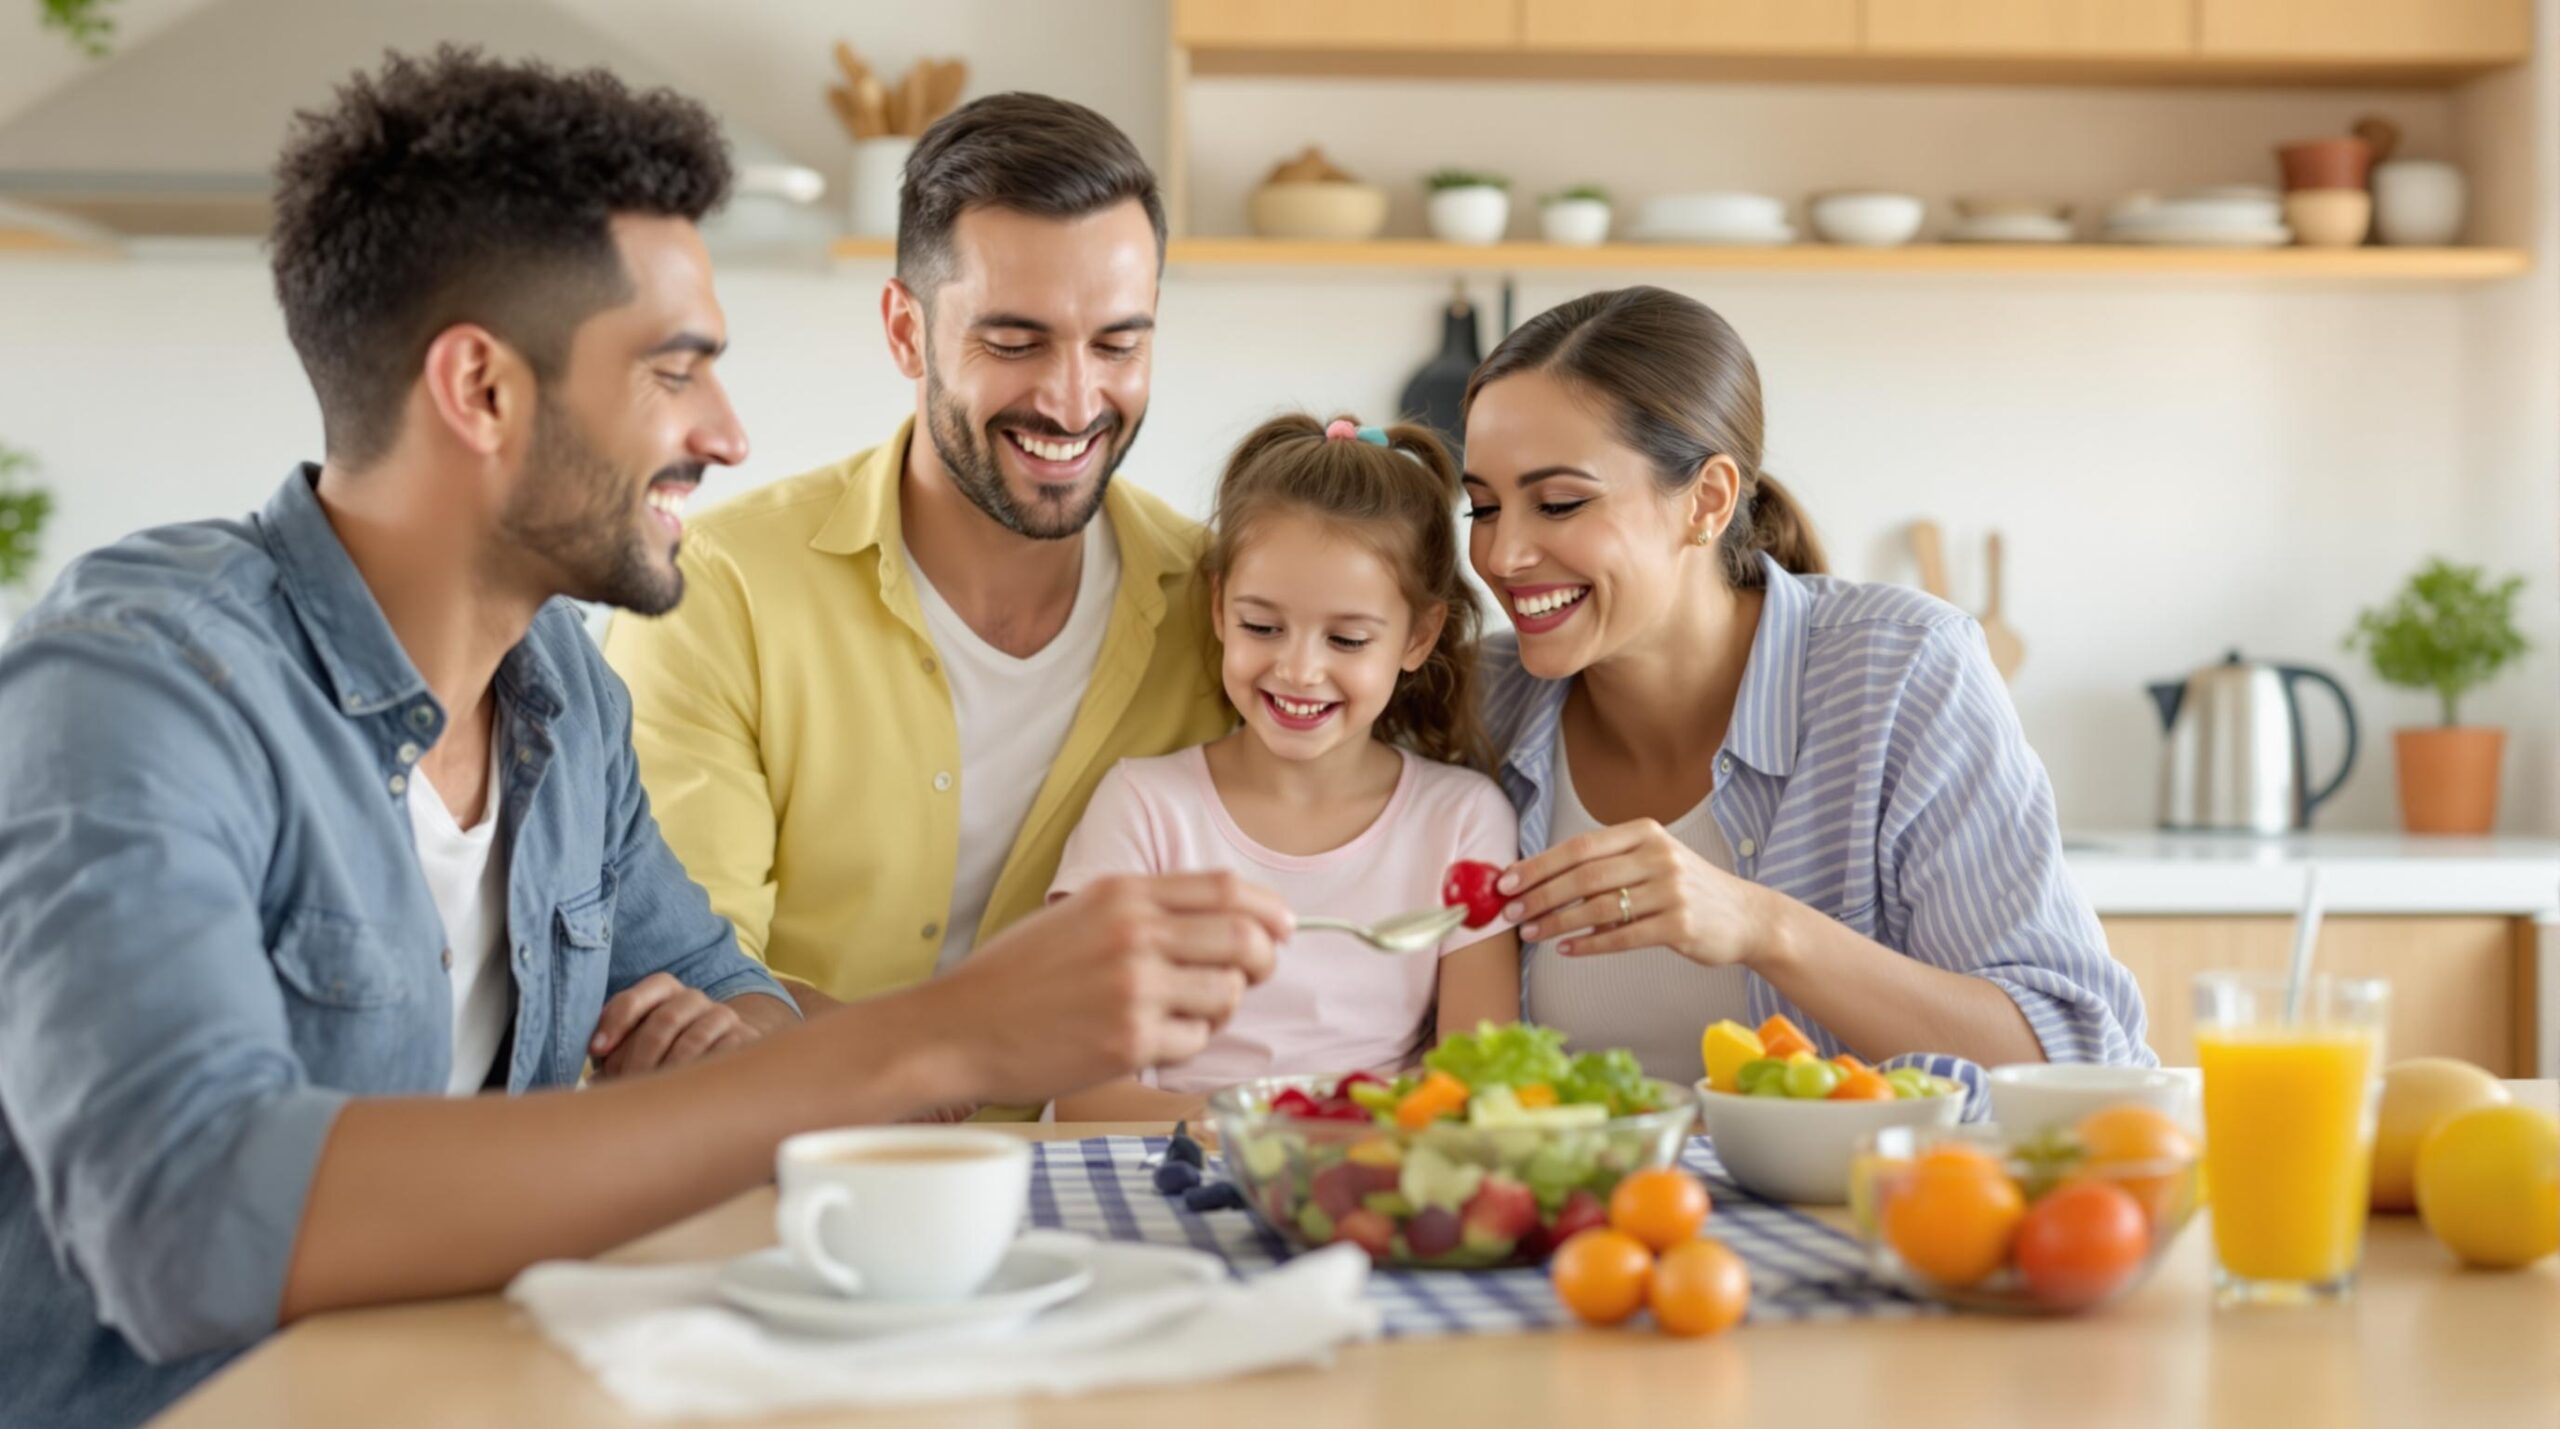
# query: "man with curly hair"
{"points": [[321, 821]]}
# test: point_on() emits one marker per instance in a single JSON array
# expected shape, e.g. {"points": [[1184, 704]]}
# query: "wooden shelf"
{"points": [[2112, 71], [2414, 265]]}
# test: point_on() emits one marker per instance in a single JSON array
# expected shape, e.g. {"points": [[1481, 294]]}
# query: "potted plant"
{"points": [[2449, 630], [23, 510], [1577, 217], [1468, 207]]}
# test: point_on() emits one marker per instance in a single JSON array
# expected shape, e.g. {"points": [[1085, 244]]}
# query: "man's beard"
{"points": [[969, 454], [575, 511]]}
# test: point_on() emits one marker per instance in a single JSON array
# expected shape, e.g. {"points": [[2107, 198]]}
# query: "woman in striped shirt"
{"points": [[1746, 787]]}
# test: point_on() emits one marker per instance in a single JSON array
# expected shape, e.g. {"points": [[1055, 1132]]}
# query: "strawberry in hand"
{"points": [[1469, 885]]}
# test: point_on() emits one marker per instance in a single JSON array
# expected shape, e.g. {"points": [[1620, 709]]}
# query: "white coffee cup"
{"points": [[2418, 203], [901, 1213], [2029, 1097]]}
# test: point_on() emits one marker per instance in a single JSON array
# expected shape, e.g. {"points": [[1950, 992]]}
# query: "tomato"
{"points": [[2080, 1242], [1701, 1288], [1601, 1275], [2117, 1138], [1952, 1217], [1470, 885], [1662, 1207]]}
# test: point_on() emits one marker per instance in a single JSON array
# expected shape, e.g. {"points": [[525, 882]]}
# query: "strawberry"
{"points": [[1581, 1211], [1470, 885], [1501, 1212], [1370, 1231]]}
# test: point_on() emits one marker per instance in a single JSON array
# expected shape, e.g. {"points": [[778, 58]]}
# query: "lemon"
{"points": [[2417, 1096], [1724, 1048], [2489, 1185]]}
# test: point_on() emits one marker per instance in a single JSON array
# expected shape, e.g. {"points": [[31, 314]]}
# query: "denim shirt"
{"points": [[1875, 770], [214, 930]]}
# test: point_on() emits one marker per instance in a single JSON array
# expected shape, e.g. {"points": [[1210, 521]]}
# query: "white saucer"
{"points": [[2011, 228], [772, 1287]]}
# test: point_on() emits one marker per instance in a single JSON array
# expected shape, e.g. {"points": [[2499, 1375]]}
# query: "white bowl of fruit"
{"points": [[1787, 1122]]}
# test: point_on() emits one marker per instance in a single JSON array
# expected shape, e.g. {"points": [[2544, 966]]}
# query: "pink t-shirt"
{"points": [[1334, 1004]]}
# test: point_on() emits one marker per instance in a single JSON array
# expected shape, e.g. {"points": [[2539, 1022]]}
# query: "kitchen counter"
{"points": [[2149, 872]]}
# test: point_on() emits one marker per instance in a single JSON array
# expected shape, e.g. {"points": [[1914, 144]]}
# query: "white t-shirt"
{"points": [[468, 880], [1651, 1001], [1013, 716]]}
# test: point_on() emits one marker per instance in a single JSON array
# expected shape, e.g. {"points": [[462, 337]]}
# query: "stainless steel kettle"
{"points": [[2235, 760]]}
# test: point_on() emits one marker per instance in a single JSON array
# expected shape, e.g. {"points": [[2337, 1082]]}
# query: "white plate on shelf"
{"points": [[1737, 237], [771, 1286], [2011, 228], [2217, 237]]}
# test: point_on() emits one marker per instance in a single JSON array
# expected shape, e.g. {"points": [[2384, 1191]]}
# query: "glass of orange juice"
{"points": [[2288, 1131]]}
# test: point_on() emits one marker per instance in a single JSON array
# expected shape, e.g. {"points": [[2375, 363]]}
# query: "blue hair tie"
{"points": [[1374, 436]]}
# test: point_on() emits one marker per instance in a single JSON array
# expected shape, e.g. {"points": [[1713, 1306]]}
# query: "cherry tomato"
{"points": [[1953, 1216], [1701, 1288], [2080, 1242], [1662, 1207], [1469, 885], [1601, 1275]]}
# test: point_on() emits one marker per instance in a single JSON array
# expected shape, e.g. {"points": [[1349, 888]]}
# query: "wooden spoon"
{"points": [[2008, 652], [1929, 548]]}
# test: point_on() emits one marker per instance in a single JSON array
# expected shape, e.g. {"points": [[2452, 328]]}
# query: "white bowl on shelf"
{"points": [[2011, 228], [1575, 222], [1475, 215], [1868, 220], [1719, 211]]}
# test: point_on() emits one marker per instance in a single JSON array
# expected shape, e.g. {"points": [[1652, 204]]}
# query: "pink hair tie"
{"points": [[1342, 429]]}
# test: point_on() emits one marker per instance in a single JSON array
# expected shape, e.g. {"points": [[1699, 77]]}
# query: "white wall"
{"points": [[2179, 466]]}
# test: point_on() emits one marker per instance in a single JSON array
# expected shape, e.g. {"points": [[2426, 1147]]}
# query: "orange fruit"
{"points": [[1701, 1288], [1662, 1207], [2080, 1241], [1601, 1275], [1863, 1085], [1952, 1217], [2117, 1139]]}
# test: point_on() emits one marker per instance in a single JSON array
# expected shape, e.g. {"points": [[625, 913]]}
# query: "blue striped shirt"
{"points": [[1875, 772]]}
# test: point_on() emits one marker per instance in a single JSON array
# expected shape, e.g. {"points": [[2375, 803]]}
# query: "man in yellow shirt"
{"points": [[894, 682]]}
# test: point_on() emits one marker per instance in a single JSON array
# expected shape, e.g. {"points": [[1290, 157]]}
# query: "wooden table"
{"points": [[2423, 1342]]}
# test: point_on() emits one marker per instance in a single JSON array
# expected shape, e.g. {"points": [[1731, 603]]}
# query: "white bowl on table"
{"points": [[2029, 1097], [1868, 220], [1789, 1150]]}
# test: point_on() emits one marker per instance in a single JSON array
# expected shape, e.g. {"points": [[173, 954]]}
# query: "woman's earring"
{"points": [[1706, 537]]}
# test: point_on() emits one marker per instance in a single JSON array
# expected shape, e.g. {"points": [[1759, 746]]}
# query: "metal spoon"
{"points": [[1413, 932]]}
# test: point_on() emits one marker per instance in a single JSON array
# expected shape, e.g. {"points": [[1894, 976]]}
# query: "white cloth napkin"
{"points": [[663, 1344]]}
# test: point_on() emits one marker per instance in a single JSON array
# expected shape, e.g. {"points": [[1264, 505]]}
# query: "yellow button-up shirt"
{"points": [[796, 734]]}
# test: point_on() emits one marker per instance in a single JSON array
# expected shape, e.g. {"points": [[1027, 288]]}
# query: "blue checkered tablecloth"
{"points": [[1801, 1269]]}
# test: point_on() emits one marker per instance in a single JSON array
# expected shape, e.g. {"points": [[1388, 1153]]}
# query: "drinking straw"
{"points": [[2306, 933]]}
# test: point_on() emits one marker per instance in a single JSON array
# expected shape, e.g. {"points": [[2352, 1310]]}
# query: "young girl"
{"points": [[1349, 642]]}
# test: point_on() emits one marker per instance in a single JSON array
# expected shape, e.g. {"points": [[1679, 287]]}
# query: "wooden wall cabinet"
{"points": [[2397, 31], [2045, 29], [1807, 27], [2460, 986], [1347, 24]]}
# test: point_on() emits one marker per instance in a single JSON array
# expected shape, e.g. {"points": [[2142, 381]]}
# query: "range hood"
{"points": [[176, 137]]}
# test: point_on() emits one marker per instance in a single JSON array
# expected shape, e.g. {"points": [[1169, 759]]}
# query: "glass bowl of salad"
{"points": [[1496, 1150]]}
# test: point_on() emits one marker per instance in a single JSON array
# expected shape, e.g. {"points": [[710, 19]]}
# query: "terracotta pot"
{"points": [[2340, 163], [2448, 778]]}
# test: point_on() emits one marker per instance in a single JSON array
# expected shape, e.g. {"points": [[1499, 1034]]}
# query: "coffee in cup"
{"points": [[901, 1213]]}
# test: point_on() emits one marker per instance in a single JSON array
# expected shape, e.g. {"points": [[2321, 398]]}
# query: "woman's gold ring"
{"points": [[1626, 908]]}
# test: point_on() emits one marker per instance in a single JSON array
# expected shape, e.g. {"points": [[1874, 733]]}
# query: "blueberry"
{"points": [[1183, 1148], [1214, 1196], [1175, 1177]]}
